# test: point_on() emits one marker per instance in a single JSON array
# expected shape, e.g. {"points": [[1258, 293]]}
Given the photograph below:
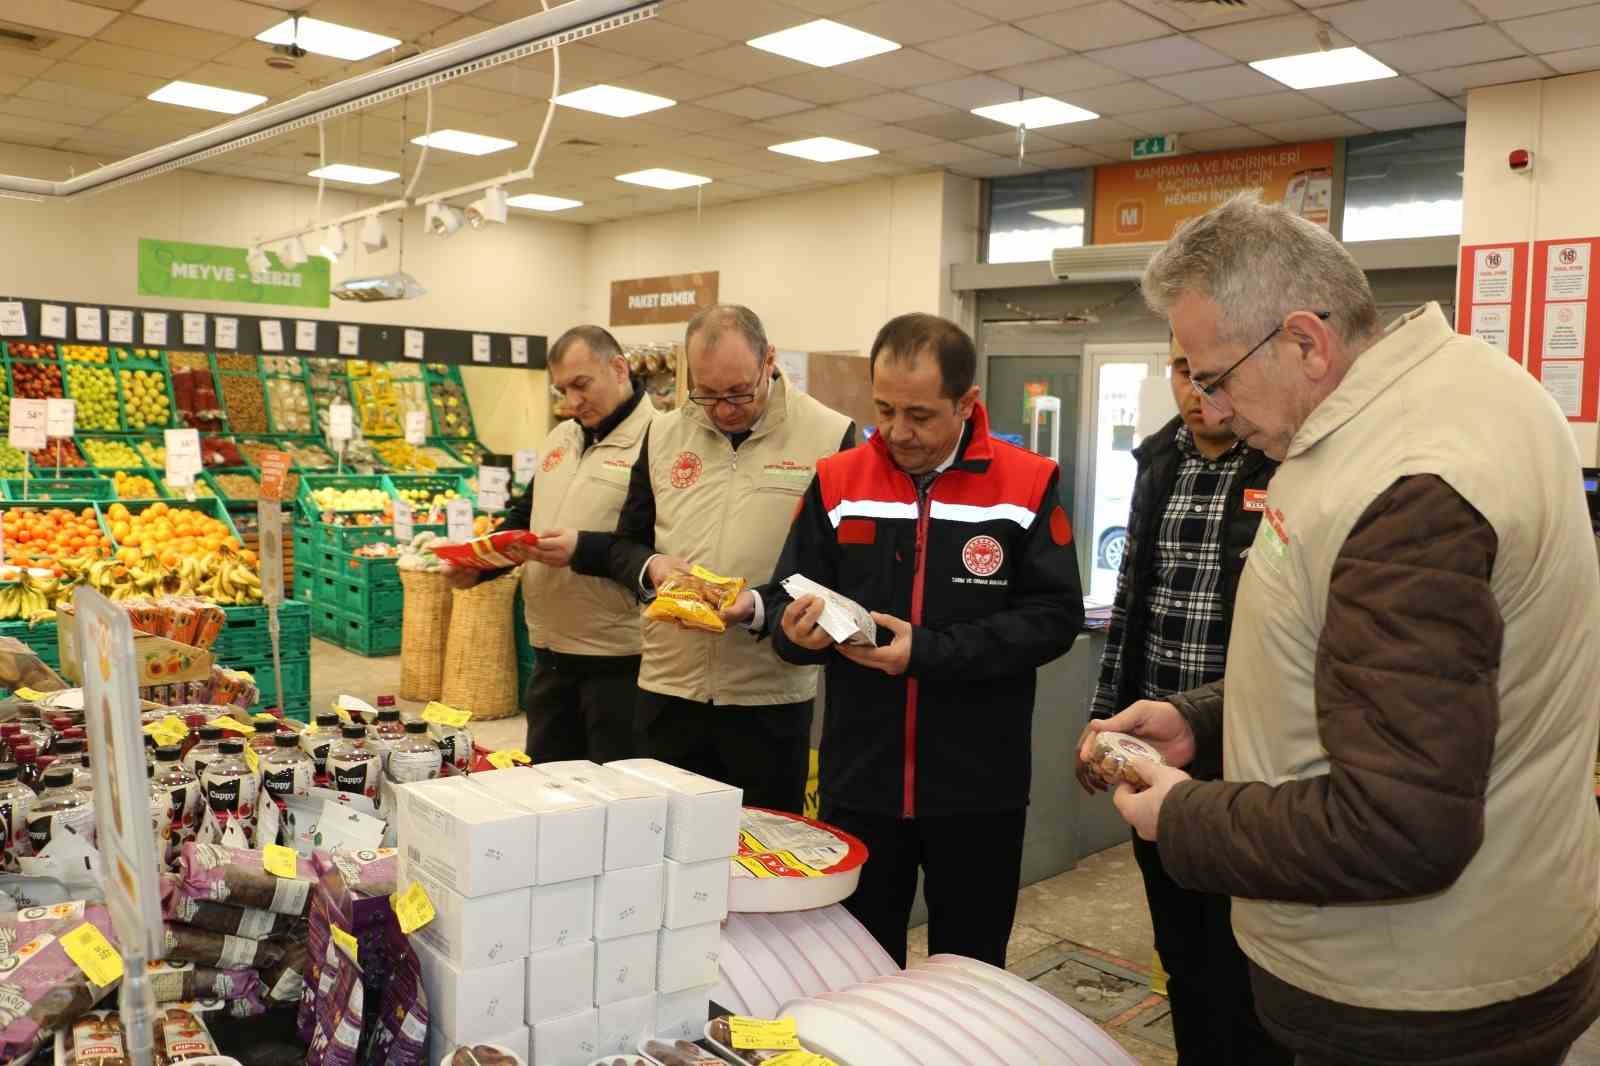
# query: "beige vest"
{"points": [[577, 489], [730, 512], [1426, 400]]}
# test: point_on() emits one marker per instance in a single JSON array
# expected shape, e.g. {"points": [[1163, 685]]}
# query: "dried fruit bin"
{"points": [[229, 483], [61, 488], [244, 402]]}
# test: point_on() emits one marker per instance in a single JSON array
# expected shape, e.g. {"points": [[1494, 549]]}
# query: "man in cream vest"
{"points": [[1409, 715], [717, 485]]}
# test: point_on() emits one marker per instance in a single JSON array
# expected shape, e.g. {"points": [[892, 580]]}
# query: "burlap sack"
{"points": [[480, 658], [422, 635]]}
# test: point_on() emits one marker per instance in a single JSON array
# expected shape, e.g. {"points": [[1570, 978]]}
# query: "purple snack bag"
{"points": [[339, 1012], [41, 989], [317, 944], [236, 875], [185, 943]]}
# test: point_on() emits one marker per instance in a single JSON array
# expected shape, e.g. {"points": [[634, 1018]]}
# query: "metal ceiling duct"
{"points": [[569, 23]]}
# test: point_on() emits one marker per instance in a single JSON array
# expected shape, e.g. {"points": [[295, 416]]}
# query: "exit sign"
{"points": [[1155, 147]]}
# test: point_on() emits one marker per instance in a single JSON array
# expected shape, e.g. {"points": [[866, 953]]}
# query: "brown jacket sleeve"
{"points": [[1202, 709], [1407, 709]]}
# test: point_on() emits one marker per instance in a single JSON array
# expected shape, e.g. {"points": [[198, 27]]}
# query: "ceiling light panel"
{"points": [[823, 149], [823, 43], [532, 201], [206, 97], [614, 101], [1316, 70], [354, 175], [328, 38], [463, 142], [661, 178], [1035, 113]]}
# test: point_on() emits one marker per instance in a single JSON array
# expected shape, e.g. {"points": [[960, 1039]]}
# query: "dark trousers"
{"points": [[971, 866], [1208, 978], [764, 750], [582, 707]]}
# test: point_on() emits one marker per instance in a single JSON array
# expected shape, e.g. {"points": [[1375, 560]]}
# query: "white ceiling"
{"points": [[1147, 66]]}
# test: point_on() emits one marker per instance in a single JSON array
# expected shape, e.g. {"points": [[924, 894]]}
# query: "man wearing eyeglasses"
{"points": [[716, 484], [1413, 682]]}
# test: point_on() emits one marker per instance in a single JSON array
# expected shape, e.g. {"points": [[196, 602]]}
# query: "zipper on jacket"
{"points": [[908, 800]]}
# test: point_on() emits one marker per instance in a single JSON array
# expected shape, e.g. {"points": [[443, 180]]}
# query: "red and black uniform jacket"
{"points": [[983, 568]]}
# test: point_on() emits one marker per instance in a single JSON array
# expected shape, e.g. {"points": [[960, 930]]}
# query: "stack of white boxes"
{"points": [[592, 897]]}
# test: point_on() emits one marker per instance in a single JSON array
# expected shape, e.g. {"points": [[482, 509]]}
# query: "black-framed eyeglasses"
{"points": [[738, 399], [1210, 390]]}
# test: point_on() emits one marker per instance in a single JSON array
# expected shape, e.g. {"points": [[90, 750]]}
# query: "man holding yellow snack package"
{"points": [[717, 484]]}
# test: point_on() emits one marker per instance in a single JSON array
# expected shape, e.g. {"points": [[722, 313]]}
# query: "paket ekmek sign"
{"points": [[216, 272], [650, 301]]}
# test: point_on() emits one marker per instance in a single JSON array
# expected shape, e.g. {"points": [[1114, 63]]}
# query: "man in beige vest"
{"points": [[717, 485], [1412, 701], [584, 630]]}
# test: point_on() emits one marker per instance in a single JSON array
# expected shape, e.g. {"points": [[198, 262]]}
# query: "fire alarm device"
{"points": [[1521, 161]]}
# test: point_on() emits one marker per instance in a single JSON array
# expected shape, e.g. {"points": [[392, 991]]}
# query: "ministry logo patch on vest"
{"points": [[982, 556], [553, 460], [685, 470]]}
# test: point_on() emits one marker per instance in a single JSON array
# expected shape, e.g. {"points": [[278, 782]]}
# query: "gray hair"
{"points": [[718, 319], [1260, 262]]}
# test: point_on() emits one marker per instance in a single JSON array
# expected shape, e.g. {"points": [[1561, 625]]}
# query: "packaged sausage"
{"points": [[694, 600], [1114, 754], [225, 918], [97, 1039], [484, 1055], [185, 943], [43, 989], [176, 982]]}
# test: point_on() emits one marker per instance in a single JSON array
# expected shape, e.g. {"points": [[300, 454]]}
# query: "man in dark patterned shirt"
{"points": [[1197, 500]]}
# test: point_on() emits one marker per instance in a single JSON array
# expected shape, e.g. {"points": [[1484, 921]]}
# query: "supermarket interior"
{"points": [[389, 519]]}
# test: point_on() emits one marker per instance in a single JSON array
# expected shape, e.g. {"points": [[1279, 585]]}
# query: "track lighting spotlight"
{"points": [[333, 244], [373, 239], [492, 208], [294, 252], [256, 259], [441, 219]]}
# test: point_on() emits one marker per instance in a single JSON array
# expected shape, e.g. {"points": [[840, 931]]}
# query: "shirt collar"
{"points": [[1186, 445], [591, 437]]}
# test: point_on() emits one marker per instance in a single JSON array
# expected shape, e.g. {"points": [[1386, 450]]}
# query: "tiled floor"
{"points": [[1084, 935]]}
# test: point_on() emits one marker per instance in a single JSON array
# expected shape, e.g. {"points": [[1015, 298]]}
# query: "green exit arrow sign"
{"points": [[1155, 147]]}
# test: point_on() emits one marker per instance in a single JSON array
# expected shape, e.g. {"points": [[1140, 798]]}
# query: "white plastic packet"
{"points": [[843, 619]]}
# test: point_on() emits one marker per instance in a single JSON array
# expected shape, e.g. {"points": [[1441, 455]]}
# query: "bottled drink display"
{"points": [[232, 789], [316, 741], [16, 801], [180, 792], [60, 807], [415, 756], [208, 748], [160, 815], [353, 765], [286, 770]]}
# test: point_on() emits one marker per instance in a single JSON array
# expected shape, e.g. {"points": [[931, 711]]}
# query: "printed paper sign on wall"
{"points": [[185, 271], [1564, 347], [1492, 295]]}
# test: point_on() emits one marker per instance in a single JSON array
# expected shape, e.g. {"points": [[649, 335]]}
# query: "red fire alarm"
{"points": [[1521, 161]]}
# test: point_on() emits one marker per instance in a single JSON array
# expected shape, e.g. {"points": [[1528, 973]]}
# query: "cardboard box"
{"points": [[702, 814], [442, 1044], [570, 1041], [562, 913], [683, 1015], [627, 902], [560, 982], [472, 1005], [572, 825], [624, 968], [472, 931], [695, 892], [626, 1024], [688, 958], [464, 838], [636, 811]]}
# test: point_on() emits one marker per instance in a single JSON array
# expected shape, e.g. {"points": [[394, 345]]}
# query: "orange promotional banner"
{"points": [[1147, 200]]}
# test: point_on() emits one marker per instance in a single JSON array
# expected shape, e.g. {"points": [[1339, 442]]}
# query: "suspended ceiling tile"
{"points": [[168, 38], [1219, 140], [945, 154], [1165, 55], [754, 103], [904, 69], [957, 126], [463, 96], [734, 20], [451, 32], [1457, 80], [979, 90], [676, 83], [895, 107], [110, 81], [748, 66], [1558, 30], [54, 92], [1096, 131], [754, 134], [11, 83], [1058, 76], [1186, 15], [252, 56], [1114, 151], [1100, 25], [993, 47], [829, 8], [405, 19], [22, 107], [1387, 92], [994, 168], [1313, 129], [914, 21], [895, 138], [1273, 107], [1382, 20], [58, 16], [1220, 83], [1005, 144], [1063, 158], [1452, 48], [1015, 10], [657, 41], [31, 66], [1508, 9], [1124, 97], [460, 7], [134, 61], [1410, 116], [223, 16], [1268, 39], [1574, 61], [822, 122], [1184, 119], [692, 118], [823, 87]]}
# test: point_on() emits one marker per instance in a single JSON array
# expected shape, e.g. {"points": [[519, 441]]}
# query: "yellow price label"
{"points": [[252, 760], [346, 942], [412, 908], [801, 1058], [29, 694], [280, 861], [505, 760], [92, 952], [223, 721], [763, 1034], [442, 714], [170, 730]]}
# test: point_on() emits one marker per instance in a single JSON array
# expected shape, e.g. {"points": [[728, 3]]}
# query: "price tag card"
{"points": [[414, 344], [505, 760], [416, 427], [27, 429], [278, 860], [494, 487], [155, 329], [274, 470], [762, 1034], [252, 760], [405, 522], [480, 347], [194, 329], [88, 323], [92, 953], [170, 730], [519, 351], [524, 461], [457, 514], [412, 908], [60, 416], [349, 340], [305, 336], [183, 455], [13, 319], [53, 321], [120, 326], [444, 714], [227, 333], [345, 941], [341, 421], [269, 518], [271, 335]]}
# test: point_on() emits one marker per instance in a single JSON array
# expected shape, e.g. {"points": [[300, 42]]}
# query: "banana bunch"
{"points": [[221, 576], [228, 580], [32, 599]]}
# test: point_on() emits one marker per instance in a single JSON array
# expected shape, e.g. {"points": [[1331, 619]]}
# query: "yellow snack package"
{"points": [[693, 600]]}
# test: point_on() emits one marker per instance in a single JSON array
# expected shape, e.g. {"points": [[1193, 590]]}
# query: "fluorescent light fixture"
{"points": [[293, 253], [463, 142], [354, 175], [1035, 113], [613, 101], [441, 220], [327, 38], [257, 261], [661, 178], [333, 243], [533, 201], [491, 208], [206, 97], [823, 43], [823, 149], [1317, 70], [373, 239]]}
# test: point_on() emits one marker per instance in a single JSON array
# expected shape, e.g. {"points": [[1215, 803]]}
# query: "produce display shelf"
{"points": [[43, 638], [158, 366], [116, 391], [311, 483], [210, 477], [210, 507], [433, 484], [109, 473]]}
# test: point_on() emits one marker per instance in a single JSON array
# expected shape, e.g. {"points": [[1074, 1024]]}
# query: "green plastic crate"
{"points": [[310, 483], [364, 636], [355, 596], [433, 484], [296, 685], [43, 639], [342, 540], [305, 583], [372, 571], [61, 488], [162, 493], [326, 622], [305, 542], [247, 636]]}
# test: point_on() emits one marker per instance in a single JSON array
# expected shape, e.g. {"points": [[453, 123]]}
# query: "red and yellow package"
{"points": [[209, 622], [486, 553], [694, 600]]}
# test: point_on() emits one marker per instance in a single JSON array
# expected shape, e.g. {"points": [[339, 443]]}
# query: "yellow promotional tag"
{"points": [[170, 730], [93, 953], [252, 760], [762, 1034], [29, 694], [441, 714], [225, 722], [346, 942], [412, 907], [280, 861], [264, 717], [505, 760], [801, 1058]]}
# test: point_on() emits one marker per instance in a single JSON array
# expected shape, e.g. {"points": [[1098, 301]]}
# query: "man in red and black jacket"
{"points": [[958, 544]]}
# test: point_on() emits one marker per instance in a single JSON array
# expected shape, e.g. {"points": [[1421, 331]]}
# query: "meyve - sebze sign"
{"points": [[674, 298]]}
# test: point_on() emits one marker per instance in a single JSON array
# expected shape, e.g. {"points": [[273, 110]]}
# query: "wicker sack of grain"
{"points": [[423, 632], [480, 657]]}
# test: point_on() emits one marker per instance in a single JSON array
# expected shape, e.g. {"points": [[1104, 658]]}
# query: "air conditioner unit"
{"points": [[1103, 262]]}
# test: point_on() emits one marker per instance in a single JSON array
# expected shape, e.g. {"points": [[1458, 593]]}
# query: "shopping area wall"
{"points": [[1557, 120]]}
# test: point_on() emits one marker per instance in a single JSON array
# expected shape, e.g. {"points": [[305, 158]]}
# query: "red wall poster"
{"points": [[1565, 325], [1492, 301]]}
